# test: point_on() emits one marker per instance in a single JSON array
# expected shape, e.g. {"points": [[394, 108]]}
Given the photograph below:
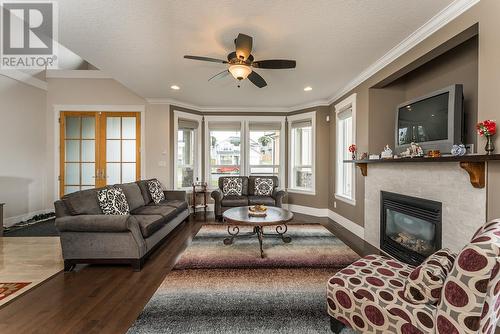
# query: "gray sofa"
{"points": [[248, 196], [89, 236]]}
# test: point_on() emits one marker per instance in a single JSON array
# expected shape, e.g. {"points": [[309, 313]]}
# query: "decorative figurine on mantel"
{"points": [[352, 149], [386, 153], [487, 129], [413, 151]]}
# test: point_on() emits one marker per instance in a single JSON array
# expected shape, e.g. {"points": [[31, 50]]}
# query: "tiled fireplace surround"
{"points": [[464, 207]]}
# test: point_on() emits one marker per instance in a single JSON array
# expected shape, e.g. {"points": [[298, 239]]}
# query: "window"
{"points": [[345, 129], [302, 156], [186, 143], [224, 140], [264, 148]]}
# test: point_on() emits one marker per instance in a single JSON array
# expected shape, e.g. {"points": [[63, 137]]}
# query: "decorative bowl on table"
{"points": [[257, 211]]}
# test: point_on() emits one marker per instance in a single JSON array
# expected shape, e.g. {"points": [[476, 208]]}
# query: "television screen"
{"points": [[424, 121]]}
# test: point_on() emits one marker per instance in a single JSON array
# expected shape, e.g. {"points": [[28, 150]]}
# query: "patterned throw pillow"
{"points": [[113, 201], [426, 281], [264, 186], [232, 186], [156, 191]]}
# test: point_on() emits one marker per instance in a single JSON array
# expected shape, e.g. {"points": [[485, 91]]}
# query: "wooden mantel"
{"points": [[474, 164]]}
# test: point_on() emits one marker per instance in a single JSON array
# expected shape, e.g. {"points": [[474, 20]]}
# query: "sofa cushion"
{"points": [[156, 191], [266, 200], [232, 186], [425, 282], [167, 212], [178, 205], [113, 201], [133, 194], [264, 186], [251, 183], [232, 201], [83, 202], [244, 181], [143, 185], [149, 224]]}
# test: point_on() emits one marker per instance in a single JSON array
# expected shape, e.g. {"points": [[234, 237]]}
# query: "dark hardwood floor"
{"points": [[108, 299]]}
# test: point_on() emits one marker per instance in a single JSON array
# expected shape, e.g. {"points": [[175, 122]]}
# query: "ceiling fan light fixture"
{"points": [[239, 71]]}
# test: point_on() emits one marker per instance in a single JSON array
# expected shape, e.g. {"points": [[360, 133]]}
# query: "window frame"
{"points": [[310, 116], [347, 103], [197, 146], [245, 139]]}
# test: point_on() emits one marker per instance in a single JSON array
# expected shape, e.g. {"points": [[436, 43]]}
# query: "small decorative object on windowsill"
{"points": [[386, 153], [352, 149], [434, 154], [413, 151], [257, 211], [364, 156], [458, 150], [488, 129]]}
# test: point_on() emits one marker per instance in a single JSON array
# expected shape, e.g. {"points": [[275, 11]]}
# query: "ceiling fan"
{"points": [[241, 62]]}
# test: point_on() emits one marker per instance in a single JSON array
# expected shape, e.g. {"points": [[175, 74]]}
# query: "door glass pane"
{"points": [[72, 173], [72, 127], [72, 148], [88, 150], [113, 130], [112, 173], [70, 189], [128, 127], [88, 173], [128, 150], [88, 127], [128, 172], [113, 151]]}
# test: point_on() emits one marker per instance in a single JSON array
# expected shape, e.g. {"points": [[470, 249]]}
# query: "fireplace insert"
{"points": [[410, 227]]}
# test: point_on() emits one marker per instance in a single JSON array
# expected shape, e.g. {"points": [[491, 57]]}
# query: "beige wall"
{"points": [[158, 150], [22, 145], [486, 14]]}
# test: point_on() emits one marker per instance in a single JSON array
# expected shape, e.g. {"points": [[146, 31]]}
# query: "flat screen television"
{"points": [[434, 121]]}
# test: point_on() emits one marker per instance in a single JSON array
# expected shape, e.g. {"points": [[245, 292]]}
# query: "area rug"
{"points": [[312, 246], [9, 289], [279, 297]]}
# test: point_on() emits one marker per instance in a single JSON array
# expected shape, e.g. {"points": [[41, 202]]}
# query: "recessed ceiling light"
{"points": [[308, 89], [175, 87]]}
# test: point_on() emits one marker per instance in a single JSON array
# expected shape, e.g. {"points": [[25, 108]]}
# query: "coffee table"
{"points": [[238, 216]]}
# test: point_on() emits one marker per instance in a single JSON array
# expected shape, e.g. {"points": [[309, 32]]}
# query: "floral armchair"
{"points": [[369, 296]]}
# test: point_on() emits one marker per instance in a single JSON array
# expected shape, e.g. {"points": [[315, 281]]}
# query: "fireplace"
{"points": [[410, 227]]}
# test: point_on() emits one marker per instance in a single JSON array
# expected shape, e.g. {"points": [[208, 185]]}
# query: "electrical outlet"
{"points": [[334, 204]]}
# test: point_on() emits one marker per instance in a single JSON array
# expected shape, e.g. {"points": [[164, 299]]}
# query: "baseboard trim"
{"points": [[325, 212], [10, 221]]}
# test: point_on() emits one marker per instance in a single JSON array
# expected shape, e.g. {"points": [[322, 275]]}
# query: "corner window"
{"points": [[345, 126], [186, 144], [264, 148], [301, 152]]}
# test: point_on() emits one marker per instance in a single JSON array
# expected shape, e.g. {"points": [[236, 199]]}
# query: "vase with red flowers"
{"points": [[488, 129], [353, 149]]}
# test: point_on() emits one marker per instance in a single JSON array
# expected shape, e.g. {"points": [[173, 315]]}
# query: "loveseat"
{"points": [[234, 191], [370, 295], [90, 236]]}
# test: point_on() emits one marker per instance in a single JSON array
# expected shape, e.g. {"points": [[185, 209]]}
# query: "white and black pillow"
{"points": [[264, 186], [113, 201], [232, 186], [156, 191]]}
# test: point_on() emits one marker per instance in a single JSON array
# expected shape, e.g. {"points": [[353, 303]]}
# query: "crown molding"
{"points": [[209, 109], [77, 74], [437, 22], [25, 78]]}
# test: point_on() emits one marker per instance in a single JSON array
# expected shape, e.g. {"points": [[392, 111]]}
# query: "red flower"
{"points": [[487, 128], [352, 148]]}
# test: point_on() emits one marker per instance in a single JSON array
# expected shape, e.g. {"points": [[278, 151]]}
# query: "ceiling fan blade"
{"points": [[275, 63], [243, 46], [220, 75], [257, 80], [213, 60]]}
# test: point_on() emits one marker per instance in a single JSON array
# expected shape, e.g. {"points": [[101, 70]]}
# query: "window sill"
{"points": [[301, 191], [345, 199]]}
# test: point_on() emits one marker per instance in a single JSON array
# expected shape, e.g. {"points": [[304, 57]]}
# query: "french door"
{"points": [[98, 149]]}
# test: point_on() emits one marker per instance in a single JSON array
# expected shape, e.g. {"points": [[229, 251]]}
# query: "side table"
{"points": [[199, 192]]}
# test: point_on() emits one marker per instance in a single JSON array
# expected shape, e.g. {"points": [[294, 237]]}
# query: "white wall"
{"points": [[22, 148]]}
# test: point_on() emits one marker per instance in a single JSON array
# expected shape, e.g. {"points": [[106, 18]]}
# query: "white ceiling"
{"points": [[142, 43]]}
